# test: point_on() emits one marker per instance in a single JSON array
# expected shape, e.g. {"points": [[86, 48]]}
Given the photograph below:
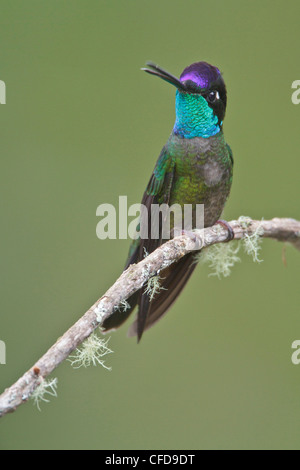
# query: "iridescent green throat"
{"points": [[194, 117]]}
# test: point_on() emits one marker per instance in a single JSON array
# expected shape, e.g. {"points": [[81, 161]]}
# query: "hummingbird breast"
{"points": [[203, 173]]}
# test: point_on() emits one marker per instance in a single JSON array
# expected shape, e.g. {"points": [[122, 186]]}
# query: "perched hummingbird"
{"points": [[194, 167]]}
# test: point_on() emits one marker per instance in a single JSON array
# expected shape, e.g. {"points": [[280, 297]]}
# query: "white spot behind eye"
{"points": [[217, 95]]}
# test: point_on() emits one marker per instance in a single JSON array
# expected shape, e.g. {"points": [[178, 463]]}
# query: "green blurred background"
{"points": [[83, 125]]}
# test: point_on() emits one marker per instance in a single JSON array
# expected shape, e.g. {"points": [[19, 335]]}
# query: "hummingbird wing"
{"points": [[157, 192], [173, 280]]}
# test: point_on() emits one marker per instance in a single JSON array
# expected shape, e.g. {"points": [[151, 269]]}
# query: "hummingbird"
{"points": [[194, 167]]}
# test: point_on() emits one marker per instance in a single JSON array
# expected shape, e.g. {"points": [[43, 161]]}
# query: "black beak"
{"points": [[159, 72]]}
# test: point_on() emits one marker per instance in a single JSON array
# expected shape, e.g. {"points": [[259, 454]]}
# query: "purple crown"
{"points": [[201, 73]]}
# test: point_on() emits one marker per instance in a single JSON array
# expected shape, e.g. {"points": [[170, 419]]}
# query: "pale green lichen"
{"points": [[244, 221], [46, 387], [123, 306], [153, 287], [221, 258], [252, 244], [100, 312], [91, 352]]}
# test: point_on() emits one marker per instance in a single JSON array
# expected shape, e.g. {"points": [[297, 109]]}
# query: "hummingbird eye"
{"points": [[213, 96]]}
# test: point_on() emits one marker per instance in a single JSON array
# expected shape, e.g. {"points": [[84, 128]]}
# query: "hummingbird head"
{"points": [[200, 99]]}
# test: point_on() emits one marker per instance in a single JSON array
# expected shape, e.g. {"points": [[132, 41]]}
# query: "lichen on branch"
{"points": [[130, 281]]}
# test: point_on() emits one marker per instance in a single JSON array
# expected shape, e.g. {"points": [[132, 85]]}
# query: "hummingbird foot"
{"points": [[228, 228]]}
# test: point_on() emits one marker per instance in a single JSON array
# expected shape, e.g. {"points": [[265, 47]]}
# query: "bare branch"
{"points": [[131, 280]]}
